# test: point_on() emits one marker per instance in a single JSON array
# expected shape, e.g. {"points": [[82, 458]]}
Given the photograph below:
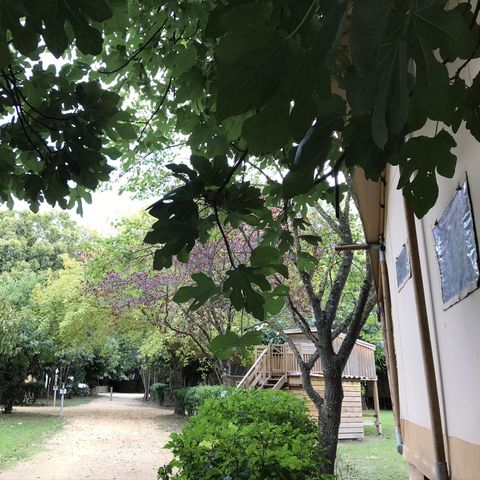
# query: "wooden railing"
{"points": [[279, 360], [258, 371]]}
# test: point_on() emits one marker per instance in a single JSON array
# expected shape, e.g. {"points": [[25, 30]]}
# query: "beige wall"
{"points": [[455, 331]]}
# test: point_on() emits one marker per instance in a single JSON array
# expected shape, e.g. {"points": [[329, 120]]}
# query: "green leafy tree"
{"points": [[37, 242], [25, 348], [85, 336]]}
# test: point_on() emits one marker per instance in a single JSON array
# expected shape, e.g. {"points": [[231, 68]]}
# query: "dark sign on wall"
{"points": [[456, 248]]}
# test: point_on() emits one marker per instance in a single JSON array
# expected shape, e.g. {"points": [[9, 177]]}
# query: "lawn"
{"points": [[73, 402], [23, 434], [373, 458]]}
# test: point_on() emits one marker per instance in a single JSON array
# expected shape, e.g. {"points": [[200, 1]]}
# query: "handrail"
{"points": [[361, 362], [253, 368]]}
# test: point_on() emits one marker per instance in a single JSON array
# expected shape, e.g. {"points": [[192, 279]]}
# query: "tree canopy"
{"points": [[298, 92]]}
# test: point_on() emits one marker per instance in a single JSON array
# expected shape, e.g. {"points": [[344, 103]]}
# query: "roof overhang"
{"points": [[369, 196]]}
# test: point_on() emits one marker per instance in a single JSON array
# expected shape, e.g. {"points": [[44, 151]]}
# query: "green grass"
{"points": [[69, 402], [23, 434], [373, 458], [73, 402]]}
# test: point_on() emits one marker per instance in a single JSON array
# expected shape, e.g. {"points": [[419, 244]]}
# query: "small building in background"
{"points": [[276, 367]]}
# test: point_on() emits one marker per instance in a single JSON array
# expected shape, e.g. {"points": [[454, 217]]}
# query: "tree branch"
{"points": [[137, 52], [157, 109], [366, 301]]}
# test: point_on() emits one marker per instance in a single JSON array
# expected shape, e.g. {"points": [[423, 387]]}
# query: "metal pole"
{"points": [[441, 470], [62, 397], [111, 393], [55, 388]]}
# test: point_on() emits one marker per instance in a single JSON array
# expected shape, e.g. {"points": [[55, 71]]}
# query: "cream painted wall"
{"points": [[456, 330], [412, 389]]}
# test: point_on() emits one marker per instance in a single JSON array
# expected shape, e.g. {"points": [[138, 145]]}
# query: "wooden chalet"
{"points": [[277, 367]]}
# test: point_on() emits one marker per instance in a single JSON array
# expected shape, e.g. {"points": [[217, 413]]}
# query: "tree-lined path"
{"points": [[122, 439]]}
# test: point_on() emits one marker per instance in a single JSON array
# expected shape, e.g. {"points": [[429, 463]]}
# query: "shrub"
{"points": [[196, 396], [192, 398], [246, 434], [157, 393]]}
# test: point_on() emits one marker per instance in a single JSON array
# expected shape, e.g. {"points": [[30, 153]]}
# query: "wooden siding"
{"points": [[351, 423]]}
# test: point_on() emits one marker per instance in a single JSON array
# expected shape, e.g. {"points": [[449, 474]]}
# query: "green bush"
{"points": [[192, 398], [246, 434], [157, 393]]}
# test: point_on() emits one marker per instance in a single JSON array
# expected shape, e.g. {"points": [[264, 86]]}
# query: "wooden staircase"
{"points": [[275, 383], [268, 371]]}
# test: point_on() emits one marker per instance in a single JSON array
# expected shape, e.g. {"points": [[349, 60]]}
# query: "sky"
{"points": [[107, 206]]}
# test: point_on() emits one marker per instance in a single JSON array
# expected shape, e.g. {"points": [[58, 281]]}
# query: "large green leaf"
{"points": [[225, 346], [385, 34], [251, 63], [313, 151], [51, 19], [268, 258], [268, 130], [420, 159], [239, 287], [205, 290], [177, 227]]}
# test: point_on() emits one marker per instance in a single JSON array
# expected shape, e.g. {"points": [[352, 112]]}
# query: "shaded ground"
{"points": [[373, 458], [121, 439]]}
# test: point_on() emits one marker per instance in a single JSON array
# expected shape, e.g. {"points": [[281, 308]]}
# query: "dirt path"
{"points": [[121, 439]]}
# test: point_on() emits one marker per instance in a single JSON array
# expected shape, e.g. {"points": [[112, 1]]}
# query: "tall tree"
{"points": [[120, 268], [336, 299], [37, 242]]}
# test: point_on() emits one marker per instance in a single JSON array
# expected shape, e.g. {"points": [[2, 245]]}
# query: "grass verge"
{"points": [[23, 434], [373, 458], [73, 402]]}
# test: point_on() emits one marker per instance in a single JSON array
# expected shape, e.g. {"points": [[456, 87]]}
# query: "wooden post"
{"points": [[111, 393], [441, 468], [269, 362], [390, 357], [376, 405]]}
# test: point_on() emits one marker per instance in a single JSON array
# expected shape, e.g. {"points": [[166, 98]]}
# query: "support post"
{"points": [[55, 388], [62, 398], [441, 469], [376, 406], [391, 358], [111, 393]]}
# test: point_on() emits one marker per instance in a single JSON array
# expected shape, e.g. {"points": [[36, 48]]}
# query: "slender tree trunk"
{"points": [[329, 420], [176, 382], [8, 407]]}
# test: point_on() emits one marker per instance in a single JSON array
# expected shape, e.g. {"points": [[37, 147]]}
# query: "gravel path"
{"points": [[121, 439]]}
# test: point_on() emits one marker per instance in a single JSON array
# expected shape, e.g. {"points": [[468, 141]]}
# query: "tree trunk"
{"points": [[176, 382], [8, 407], [329, 420]]}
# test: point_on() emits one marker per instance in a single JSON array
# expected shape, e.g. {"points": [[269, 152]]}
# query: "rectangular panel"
{"points": [[402, 267], [456, 249]]}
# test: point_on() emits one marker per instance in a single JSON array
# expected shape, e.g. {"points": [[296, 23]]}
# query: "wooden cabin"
{"points": [[277, 367]]}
